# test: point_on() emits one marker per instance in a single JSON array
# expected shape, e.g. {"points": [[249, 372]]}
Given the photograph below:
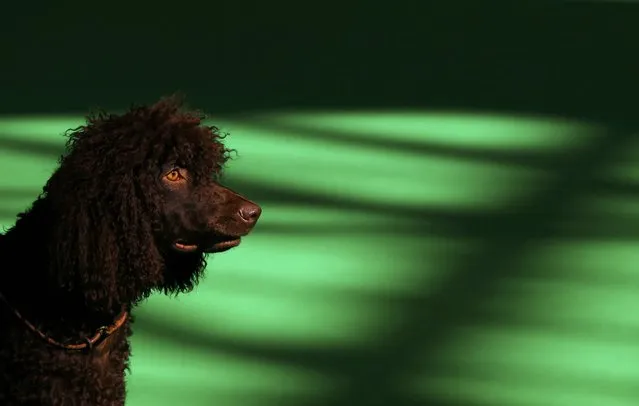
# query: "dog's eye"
{"points": [[173, 176]]}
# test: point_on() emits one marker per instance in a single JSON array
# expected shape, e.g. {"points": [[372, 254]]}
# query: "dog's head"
{"points": [[201, 215], [137, 203], [197, 216]]}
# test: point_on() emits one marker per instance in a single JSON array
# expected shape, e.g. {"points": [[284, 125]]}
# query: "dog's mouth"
{"points": [[183, 246], [218, 246]]}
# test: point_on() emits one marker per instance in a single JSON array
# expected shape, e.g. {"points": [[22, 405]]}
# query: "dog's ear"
{"points": [[102, 242]]}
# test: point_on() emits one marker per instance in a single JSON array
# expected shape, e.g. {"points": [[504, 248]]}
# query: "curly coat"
{"points": [[134, 207]]}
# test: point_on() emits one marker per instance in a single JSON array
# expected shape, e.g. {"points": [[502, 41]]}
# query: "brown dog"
{"points": [[133, 208]]}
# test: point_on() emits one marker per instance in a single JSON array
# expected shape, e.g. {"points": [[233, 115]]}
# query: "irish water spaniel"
{"points": [[133, 208]]}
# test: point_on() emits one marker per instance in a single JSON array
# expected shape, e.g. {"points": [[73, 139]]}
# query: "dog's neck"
{"points": [[28, 287], [62, 315], [34, 287]]}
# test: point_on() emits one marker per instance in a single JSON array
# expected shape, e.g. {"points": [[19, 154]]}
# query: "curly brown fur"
{"points": [[114, 223]]}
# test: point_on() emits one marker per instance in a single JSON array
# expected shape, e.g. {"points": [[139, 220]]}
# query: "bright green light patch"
{"points": [[578, 306], [46, 129], [358, 262], [307, 218], [454, 129], [26, 170], [374, 174], [342, 281], [580, 290], [508, 390], [275, 317], [545, 367], [168, 370]]}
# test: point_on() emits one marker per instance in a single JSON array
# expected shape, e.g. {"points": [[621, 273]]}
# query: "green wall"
{"points": [[450, 195]]}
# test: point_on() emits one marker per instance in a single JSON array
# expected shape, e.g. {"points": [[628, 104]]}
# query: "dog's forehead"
{"points": [[200, 150], [200, 166]]}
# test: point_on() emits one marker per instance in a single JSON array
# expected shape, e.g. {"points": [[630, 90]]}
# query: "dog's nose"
{"points": [[250, 212]]}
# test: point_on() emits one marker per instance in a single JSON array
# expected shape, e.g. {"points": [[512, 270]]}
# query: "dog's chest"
{"points": [[103, 353], [37, 374]]}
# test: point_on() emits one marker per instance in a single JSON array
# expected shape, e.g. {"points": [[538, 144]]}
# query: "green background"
{"points": [[449, 194]]}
